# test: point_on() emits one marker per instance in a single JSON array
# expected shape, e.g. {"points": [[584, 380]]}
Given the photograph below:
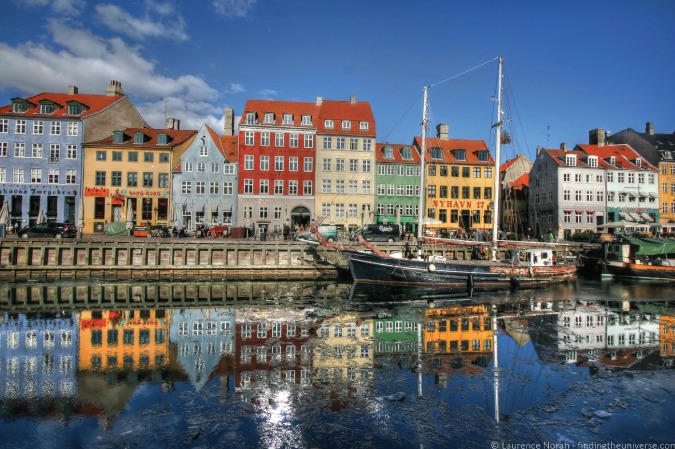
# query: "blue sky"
{"points": [[569, 66]]}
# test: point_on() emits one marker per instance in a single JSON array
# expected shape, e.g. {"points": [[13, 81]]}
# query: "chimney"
{"points": [[596, 137], [563, 146], [442, 131], [649, 129], [72, 90], [228, 122], [352, 99], [172, 123], [115, 89], [319, 100]]}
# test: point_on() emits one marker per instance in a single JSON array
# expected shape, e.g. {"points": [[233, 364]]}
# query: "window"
{"points": [[186, 187], [117, 156], [340, 143], [35, 175], [161, 139], [327, 142], [71, 176], [248, 162], [265, 139], [278, 186], [309, 141], [72, 129], [147, 179], [54, 153], [200, 187], [248, 186], [264, 163], [100, 155], [269, 118], [163, 180], [38, 127], [148, 157], [353, 144], [100, 178], [132, 156], [250, 118], [4, 125], [328, 123], [36, 150], [287, 119], [132, 179], [55, 129], [20, 127], [248, 138], [293, 140], [3, 149], [460, 154], [278, 139], [164, 158], [116, 178], [214, 188], [306, 120]]}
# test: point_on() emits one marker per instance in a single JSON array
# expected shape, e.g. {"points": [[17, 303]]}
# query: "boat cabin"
{"points": [[539, 257]]}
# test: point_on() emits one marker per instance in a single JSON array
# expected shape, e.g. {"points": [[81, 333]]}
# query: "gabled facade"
{"points": [[397, 184], [459, 183], [345, 155], [567, 192], [514, 182], [41, 159], [205, 181], [128, 177], [276, 164], [659, 150], [631, 183]]}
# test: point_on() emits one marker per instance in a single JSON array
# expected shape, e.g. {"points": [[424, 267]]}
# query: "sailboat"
{"points": [[530, 267]]}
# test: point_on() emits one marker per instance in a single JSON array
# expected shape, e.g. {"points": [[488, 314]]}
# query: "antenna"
{"points": [[548, 136], [166, 109]]}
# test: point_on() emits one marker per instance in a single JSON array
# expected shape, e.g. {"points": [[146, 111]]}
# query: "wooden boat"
{"points": [[640, 259]]}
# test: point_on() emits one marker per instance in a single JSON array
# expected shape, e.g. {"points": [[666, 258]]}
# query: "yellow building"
{"points": [[460, 329], [345, 163], [130, 340], [343, 350], [127, 178], [667, 195], [459, 184], [667, 336]]}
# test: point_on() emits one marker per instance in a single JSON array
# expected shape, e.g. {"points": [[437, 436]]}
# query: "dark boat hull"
{"points": [[469, 275], [637, 272]]}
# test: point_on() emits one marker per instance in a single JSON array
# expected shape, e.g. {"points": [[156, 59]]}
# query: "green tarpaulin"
{"points": [[651, 246], [118, 228]]}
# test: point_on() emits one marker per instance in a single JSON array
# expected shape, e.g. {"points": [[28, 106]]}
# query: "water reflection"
{"points": [[325, 364]]}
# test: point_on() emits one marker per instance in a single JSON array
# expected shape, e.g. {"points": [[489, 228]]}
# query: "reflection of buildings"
{"points": [[667, 339], [343, 349], [38, 356], [129, 340], [587, 331], [395, 340], [272, 349], [457, 336], [201, 337]]}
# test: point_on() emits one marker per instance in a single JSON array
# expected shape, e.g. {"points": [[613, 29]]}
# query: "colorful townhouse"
{"points": [[345, 163], [205, 180], [276, 165], [41, 158], [459, 184], [397, 181], [567, 192], [127, 179]]}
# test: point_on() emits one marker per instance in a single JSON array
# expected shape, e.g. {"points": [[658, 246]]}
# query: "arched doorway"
{"points": [[300, 216]]}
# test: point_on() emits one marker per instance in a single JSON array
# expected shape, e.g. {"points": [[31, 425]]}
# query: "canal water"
{"points": [[324, 365]]}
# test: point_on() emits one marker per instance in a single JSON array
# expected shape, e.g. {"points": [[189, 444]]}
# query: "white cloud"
{"points": [[89, 61], [160, 20], [67, 7], [236, 88], [268, 94], [233, 8]]}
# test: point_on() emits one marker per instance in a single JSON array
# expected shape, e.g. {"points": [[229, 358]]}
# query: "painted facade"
{"points": [[345, 163], [276, 165], [205, 181], [397, 185], [513, 199], [128, 180], [459, 184], [41, 156]]}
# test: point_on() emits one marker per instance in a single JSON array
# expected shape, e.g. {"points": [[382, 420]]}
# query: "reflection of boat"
{"points": [[366, 292], [640, 259], [538, 266]]}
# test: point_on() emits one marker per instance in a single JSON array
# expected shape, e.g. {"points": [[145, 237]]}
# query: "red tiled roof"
{"points": [[507, 164], [379, 153], [625, 155], [92, 104], [175, 137], [279, 108], [356, 112], [522, 181], [472, 148]]}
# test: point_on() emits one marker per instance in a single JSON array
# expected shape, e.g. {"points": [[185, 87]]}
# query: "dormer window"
{"points": [[139, 137], [346, 124], [388, 152], [328, 124], [460, 154], [363, 126], [482, 155], [306, 120], [436, 153], [269, 118], [288, 119], [161, 139], [406, 153], [593, 161], [74, 108], [250, 118], [19, 105], [612, 160], [571, 160], [118, 137], [638, 162], [46, 107]]}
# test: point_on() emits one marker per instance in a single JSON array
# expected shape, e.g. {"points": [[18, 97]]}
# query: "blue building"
{"points": [[41, 159]]}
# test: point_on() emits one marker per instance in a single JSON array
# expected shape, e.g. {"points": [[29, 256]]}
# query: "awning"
{"points": [[652, 195], [646, 217], [590, 212], [635, 216], [632, 194], [626, 216]]}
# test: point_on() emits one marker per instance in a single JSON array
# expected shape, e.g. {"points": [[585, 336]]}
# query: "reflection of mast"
{"points": [[419, 359], [495, 369]]}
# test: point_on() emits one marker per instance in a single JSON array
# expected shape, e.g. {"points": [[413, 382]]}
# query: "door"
{"points": [[117, 214]]}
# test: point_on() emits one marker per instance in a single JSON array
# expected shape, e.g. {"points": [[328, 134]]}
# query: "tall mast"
{"points": [[421, 214], [498, 145]]}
